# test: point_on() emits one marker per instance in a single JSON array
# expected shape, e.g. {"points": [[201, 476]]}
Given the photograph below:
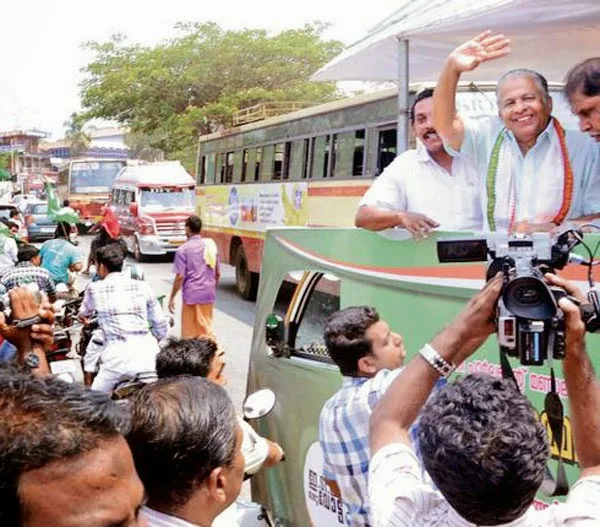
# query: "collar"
{"points": [[456, 520], [354, 381], [112, 276], [160, 519], [422, 153], [547, 134], [24, 264]]}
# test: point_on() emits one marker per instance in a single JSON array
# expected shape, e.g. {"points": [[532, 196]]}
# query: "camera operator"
{"points": [[479, 439]]}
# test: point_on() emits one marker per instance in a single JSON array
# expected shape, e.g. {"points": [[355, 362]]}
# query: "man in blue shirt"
{"points": [[60, 257]]}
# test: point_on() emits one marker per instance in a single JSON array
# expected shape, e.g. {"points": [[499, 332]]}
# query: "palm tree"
{"points": [[78, 140]]}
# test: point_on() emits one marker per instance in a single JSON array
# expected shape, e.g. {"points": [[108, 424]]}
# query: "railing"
{"points": [[265, 110]]}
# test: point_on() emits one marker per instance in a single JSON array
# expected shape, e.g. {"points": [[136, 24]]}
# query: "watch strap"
{"points": [[436, 361]]}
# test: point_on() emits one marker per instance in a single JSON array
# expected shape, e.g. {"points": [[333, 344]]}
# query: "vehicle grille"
{"points": [[171, 229]]}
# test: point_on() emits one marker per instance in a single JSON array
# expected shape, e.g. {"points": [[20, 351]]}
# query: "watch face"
{"points": [[32, 361]]}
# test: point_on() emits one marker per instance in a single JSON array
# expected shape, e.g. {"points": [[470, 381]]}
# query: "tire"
{"points": [[137, 252], [246, 282]]}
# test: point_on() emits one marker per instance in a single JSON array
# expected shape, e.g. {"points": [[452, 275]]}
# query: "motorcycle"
{"points": [[63, 359]]}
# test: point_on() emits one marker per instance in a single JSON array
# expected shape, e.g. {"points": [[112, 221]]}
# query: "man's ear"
{"points": [[366, 365], [217, 483]]}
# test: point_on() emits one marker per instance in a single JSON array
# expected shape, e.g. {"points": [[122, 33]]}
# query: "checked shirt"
{"points": [[124, 307], [26, 273]]}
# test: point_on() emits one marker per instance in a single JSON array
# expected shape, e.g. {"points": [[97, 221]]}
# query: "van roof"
{"points": [[163, 173]]}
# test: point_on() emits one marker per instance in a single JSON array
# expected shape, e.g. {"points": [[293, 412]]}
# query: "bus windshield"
{"points": [[94, 176], [167, 198]]}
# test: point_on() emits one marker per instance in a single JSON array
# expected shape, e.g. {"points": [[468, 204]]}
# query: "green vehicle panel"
{"points": [[307, 274]]}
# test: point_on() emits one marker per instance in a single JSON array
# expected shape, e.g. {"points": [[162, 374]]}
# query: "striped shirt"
{"points": [[26, 273], [401, 497]]}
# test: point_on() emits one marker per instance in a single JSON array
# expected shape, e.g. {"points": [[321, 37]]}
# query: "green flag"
{"points": [[56, 212], [4, 175]]}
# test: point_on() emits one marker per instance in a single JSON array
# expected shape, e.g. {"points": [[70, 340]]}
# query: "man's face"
{"points": [[587, 109], [423, 127], [217, 366], [14, 230], [37, 260], [388, 349], [522, 108], [98, 489]]}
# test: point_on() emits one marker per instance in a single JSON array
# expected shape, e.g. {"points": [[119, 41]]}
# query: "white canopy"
{"points": [[547, 35]]}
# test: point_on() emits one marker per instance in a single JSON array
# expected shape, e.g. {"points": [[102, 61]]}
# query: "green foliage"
{"points": [[5, 158], [194, 83], [77, 139]]}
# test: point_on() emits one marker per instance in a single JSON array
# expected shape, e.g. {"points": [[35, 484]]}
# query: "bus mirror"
{"points": [[274, 330], [133, 208]]}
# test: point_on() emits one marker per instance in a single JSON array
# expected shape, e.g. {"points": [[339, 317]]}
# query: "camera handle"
{"points": [[554, 409]]}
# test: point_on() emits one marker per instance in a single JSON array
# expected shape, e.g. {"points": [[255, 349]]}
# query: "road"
{"points": [[233, 317]]}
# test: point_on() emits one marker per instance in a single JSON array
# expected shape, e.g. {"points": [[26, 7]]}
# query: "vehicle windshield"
{"points": [[42, 208], [167, 198], [5, 211], [94, 176]]}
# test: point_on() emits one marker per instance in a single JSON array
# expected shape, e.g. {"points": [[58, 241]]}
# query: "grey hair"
{"points": [[540, 81], [182, 429]]}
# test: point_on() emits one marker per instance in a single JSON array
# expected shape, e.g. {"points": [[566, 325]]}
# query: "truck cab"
{"points": [[152, 203]]}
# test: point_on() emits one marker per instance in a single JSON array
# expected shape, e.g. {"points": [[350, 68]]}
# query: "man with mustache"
{"points": [[534, 174], [423, 188], [582, 88]]}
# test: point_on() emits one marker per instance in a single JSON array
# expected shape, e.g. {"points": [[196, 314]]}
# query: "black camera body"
{"points": [[530, 324]]}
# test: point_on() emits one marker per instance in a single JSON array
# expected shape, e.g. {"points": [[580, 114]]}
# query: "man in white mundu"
{"points": [[534, 174]]}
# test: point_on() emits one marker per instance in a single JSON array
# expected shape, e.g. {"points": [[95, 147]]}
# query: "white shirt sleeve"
{"points": [[398, 493], [255, 449], [12, 249], [387, 191], [582, 508]]}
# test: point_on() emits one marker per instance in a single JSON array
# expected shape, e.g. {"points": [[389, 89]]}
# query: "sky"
{"points": [[42, 53]]}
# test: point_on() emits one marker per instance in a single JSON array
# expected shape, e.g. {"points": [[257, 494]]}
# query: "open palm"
{"points": [[483, 47]]}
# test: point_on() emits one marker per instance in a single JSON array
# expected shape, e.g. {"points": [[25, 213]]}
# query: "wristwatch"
{"points": [[32, 361], [436, 361]]}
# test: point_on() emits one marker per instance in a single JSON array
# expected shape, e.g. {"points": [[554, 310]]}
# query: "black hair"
{"points": [[186, 357], [27, 253], [484, 448], [45, 420], [423, 94], [194, 224], [65, 203], [111, 256], [12, 224], [63, 230], [182, 429], [584, 78], [538, 78], [345, 336], [13, 213]]}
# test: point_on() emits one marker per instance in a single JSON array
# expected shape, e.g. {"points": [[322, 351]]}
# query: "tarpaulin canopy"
{"points": [[547, 35]]}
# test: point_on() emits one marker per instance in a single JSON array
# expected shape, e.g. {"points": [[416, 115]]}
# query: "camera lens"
{"points": [[527, 295]]}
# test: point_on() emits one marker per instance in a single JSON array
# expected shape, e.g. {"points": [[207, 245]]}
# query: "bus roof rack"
{"points": [[264, 110]]}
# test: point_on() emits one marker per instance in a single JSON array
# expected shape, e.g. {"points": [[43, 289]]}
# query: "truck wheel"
{"points": [[137, 252], [246, 282]]}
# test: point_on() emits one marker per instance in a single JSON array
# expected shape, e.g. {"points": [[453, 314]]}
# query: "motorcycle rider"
{"points": [[130, 317], [61, 257]]}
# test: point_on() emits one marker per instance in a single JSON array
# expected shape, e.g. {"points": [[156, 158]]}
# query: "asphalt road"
{"points": [[233, 317]]}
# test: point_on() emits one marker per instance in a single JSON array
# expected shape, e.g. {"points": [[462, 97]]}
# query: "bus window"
{"points": [[268, 163], [348, 154], [202, 170], [210, 168], [244, 165], [298, 164], [386, 149], [228, 167], [320, 156], [220, 168], [278, 161], [358, 157], [258, 163]]}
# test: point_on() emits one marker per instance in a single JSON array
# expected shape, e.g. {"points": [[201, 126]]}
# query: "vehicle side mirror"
{"points": [[274, 330], [133, 208], [259, 404]]}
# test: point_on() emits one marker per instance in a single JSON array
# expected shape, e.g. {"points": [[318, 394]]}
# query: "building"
{"points": [[104, 142], [26, 155]]}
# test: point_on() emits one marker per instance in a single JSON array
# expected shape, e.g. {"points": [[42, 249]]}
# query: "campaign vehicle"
{"points": [[152, 203]]}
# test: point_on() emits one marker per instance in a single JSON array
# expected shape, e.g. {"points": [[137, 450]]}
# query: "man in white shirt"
{"points": [[8, 253], [424, 188], [186, 445], [534, 174], [479, 438]]}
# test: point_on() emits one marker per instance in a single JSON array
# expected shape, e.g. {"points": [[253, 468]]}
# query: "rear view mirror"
{"points": [[133, 208], [259, 404], [274, 330]]}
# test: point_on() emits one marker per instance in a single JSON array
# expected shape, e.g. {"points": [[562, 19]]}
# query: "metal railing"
{"points": [[265, 110]]}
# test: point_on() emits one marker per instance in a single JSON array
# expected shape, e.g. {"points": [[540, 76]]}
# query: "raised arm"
{"points": [[465, 57]]}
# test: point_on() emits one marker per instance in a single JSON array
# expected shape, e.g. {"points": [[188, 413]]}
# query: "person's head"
{"points": [[361, 344], [200, 357], [524, 104], [65, 203], [582, 88], [29, 253], [14, 214], [422, 124], [193, 225], [484, 448], [14, 228], [63, 459], [186, 444], [63, 230], [109, 259]]}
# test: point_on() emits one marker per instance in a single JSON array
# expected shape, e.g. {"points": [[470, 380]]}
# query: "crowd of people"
{"points": [[401, 445]]}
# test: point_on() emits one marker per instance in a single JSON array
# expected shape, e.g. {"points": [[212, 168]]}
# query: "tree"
{"points": [[78, 140], [195, 82]]}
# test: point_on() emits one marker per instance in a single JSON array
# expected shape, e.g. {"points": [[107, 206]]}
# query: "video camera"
{"points": [[530, 324]]}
